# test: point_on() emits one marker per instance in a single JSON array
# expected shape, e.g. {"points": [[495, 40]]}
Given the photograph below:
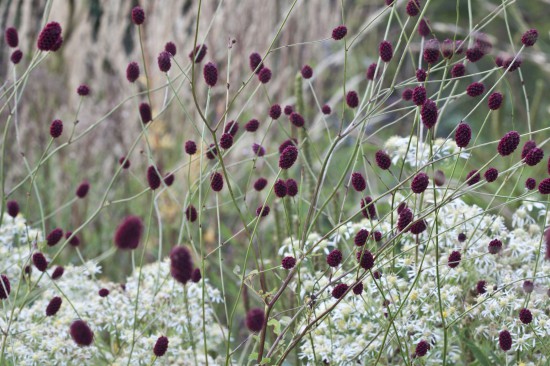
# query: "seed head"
{"points": [[527, 147], [153, 178], [429, 113], [424, 28], [383, 160], [255, 319], [418, 227], [252, 125], [525, 316], [264, 75], [190, 147], [495, 246], [419, 95], [145, 113], [473, 177], [81, 333], [534, 156], [161, 346], [40, 261], [280, 188], [422, 348], [420, 183], [263, 211], [260, 184], [361, 237], [169, 179], [413, 8], [132, 71], [53, 306], [191, 213], [377, 235], [334, 258], [505, 340], [421, 75], [358, 289], [138, 15], [528, 38], [407, 94], [210, 73], [83, 90], [16, 57], [196, 276], [170, 47], [255, 62], [49, 37], [288, 262], [365, 259], [367, 208], [128, 233], [307, 72], [275, 111], [226, 141], [544, 186], [358, 182], [11, 36], [431, 51], [463, 134], [286, 143], [181, 264], [13, 208], [461, 237], [103, 292], [291, 187], [508, 143], [475, 89], [339, 32], [511, 63], [339, 290], [454, 259], [163, 61], [83, 189], [288, 157], [5, 287], [385, 49], [326, 109], [54, 237], [458, 70], [198, 53], [404, 219], [352, 99], [216, 182], [491, 175], [495, 101], [296, 119], [530, 183], [57, 272]]}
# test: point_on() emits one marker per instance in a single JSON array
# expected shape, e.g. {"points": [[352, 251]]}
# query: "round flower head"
{"points": [[525, 316], [530, 183], [424, 28], [190, 147], [326, 110], [39, 261], [377, 235], [286, 143], [128, 233], [334, 258], [210, 73], [13, 208], [544, 186], [358, 289], [481, 287], [196, 276], [81, 333], [103, 292], [458, 70], [439, 178], [527, 147], [429, 113], [125, 162], [528, 38], [461, 237], [352, 99], [422, 348], [385, 49], [260, 184], [365, 259], [447, 48], [288, 110], [454, 259], [138, 15], [404, 219], [339, 290], [473, 177], [170, 47], [413, 8], [153, 177], [263, 211], [255, 62], [288, 157], [54, 237], [58, 272], [11, 36], [275, 111], [181, 264], [420, 183], [534, 156], [5, 287], [288, 262], [255, 319], [307, 72], [163, 61], [407, 94], [53, 306], [339, 32], [419, 95], [528, 287], [83, 90], [161, 346], [383, 160], [49, 37], [258, 149], [280, 188], [418, 227], [475, 89], [431, 51], [145, 113], [191, 213], [367, 208], [291, 187], [491, 175], [252, 125], [169, 179], [505, 340], [361, 237], [499, 61], [74, 240], [463, 134], [264, 75], [371, 71], [83, 189], [511, 63], [495, 246], [132, 71], [421, 75], [198, 53], [216, 182], [508, 143], [358, 182], [16, 57], [226, 141], [296, 119], [474, 54], [494, 101]]}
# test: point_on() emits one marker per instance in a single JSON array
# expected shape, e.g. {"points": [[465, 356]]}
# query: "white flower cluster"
{"points": [[165, 307]]}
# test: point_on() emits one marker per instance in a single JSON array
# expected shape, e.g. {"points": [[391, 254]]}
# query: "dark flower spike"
{"points": [[530, 183], [164, 62], [11, 37], [263, 211], [458, 70], [74, 241], [210, 73], [491, 175], [49, 37], [365, 259], [275, 111], [413, 8], [170, 47], [132, 71], [424, 28], [473, 177], [429, 113], [371, 71], [404, 219], [296, 119], [358, 289], [475, 89], [58, 272], [288, 157], [54, 237], [81, 333], [169, 179], [280, 188], [361, 237], [358, 182], [264, 75], [407, 94], [418, 227], [161, 346], [528, 286], [255, 319], [128, 233], [83, 90], [13, 208], [352, 99], [495, 246], [53, 306], [419, 95], [326, 109], [528, 38], [212, 152], [307, 72], [145, 113], [190, 147], [288, 110], [258, 149], [198, 53], [339, 290], [431, 51], [454, 259], [216, 182], [527, 146], [83, 189], [291, 187], [525, 316], [226, 141], [494, 101], [5, 287], [505, 340], [252, 125], [40, 261], [196, 276], [421, 75], [232, 128], [383, 160], [255, 62], [474, 54], [103, 292], [334, 258], [138, 15], [544, 186], [534, 156], [385, 49], [260, 184], [463, 134], [481, 287], [153, 178], [181, 264], [439, 178], [288, 262], [16, 57], [339, 32], [447, 48], [420, 183], [286, 143], [422, 348], [191, 213], [508, 143], [367, 208], [461, 237]]}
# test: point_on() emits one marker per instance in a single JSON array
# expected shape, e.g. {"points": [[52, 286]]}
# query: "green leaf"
{"points": [[253, 356], [478, 354], [276, 325]]}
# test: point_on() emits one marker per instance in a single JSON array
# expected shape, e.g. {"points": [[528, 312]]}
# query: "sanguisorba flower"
{"points": [[216, 182], [255, 62], [530, 37], [138, 15], [385, 50], [307, 72], [339, 290], [145, 113], [288, 262], [54, 237], [5, 287], [163, 61], [132, 71], [11, 37], [420, 183], [264, 75], [81, 333], [505, 340], [463, 134], [508, 143], [128, 233], [40, 261], [153, 178], [53, 306], [49, 37], [255, 319], [358, 181], [161, 346], [544, 186], [210, 73], [198, 53], [83, 189], [288, 157], [491, 175], [334, 258], [13, 208], [339, 32], [429, 113], [352, 99], [181, 264]]}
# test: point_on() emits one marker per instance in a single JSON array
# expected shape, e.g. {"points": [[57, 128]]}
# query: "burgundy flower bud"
{"points": [[474, 54], [232, 128], [286, 143], [365, 259], [458, 70], [288, 262], [481, 287], [54, 237], [49, 37], [40, 261], [145, 113], [255, 62], [103, 292], [544, 186], [352, 99], [169, 179], [431, 51], [226, 141], [196, 276], [424, 28], [255, 319], [132, 71], [505, 340], [358, 289], [475, 89], [210, 73], [491, 175], [326, 109], [413, 8], [190, 147], [525, 316], [16, 57], [371, 71], [421, 75], [81, 333], [57, 272], [418, 227], [339, 290], [334, 258], [495, 101], [377, 236], [5, 287], [13, 208], [528, 286], [252, 125], [429, 113], [528, 38], [191, 213], [385, 49], [83, 189], [512, 63], [527, 146], [53, 306], [83, 90], [263, 211], [153, 177], [170, 47], [296, 119], [339, 32], [264, 75], [404, 219], [422, 348], [164, 62], [383, 160], [439, 178], [463, 135], [280, 188], [216, 182], [161, 346], [534, 156], [461, 237], [495, 246], [407, 94], [419, 95], [291, 187], [212, 152], [181, 264], [508, 143], [128, 233], [367, 208], [473, 177], [420, 183], [447, 48], [530, 183], [454, 259], [288, 157], [260, 184], [307, 72], [358, 181], [288, 110], [361, 237], [275, 111], [258, 149], [11, 36], [198, 53], [138, 15], [74, 240]]}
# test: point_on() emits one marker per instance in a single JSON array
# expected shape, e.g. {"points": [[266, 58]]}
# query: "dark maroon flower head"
{"points": [[54, 237], [124, 162], [439, 178], [413, 8], [128, 233], [544, 186], [495, 101], [385, 49], [263, 211], [11, 36], [463, 134], [288, 157], [81, 333], [286, 143], [153, 178], [352, 99], [422, 348], [226, 141], [424, 28], [528, 286], [103, 292], [420, 182], [132, 71], [210, 73], [431, 51], [481, 287], [260, 184], [474, 54], [401, 207], [296, 119], [83, 189], [307, 72], [5, 287], [371, 71], [525, 316], [383, 160], [288, 110], [326, 109], [491, 175], [49, 37], [367, 208], [407, 94], [190, 147], [365, 259], [390, 2], [212, 152], [508, 143], [255, 62], [377, 275], [459, 47], [196, 276], [161, 346], [57, 272], [264, 75], [458, 70], [361, 237], [258, 149], [534, 156], [377, 236], [170, 47], [13, 208], [169, 179], [53, 306], [499, 61], [291, 187], [145, 113], [447, 48], [429, 113], [339, 32], [512, 63], [138, 15], [454, 259], [418, 227], [358, 182], [255, 319], [181, 264], [475, 89], [74, 241], [339, 290], [163, 61], [280, 188], [421, 75], [505, 340], [358, 289], [404, 219], [40, 261], [288, 262], [198, 53], [57, 45], [495, 246], [16, 57], [216, 181], [275, 111], [473, 177], [83, 90], [530, 183], [528, 38], [483, 42], [419, 95], [462, 237], [334, 258], [191, 213], [252, 125]]}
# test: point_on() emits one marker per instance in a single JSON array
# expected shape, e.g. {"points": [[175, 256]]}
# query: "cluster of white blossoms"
{"points": [[412, 294], [165, 308]]}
